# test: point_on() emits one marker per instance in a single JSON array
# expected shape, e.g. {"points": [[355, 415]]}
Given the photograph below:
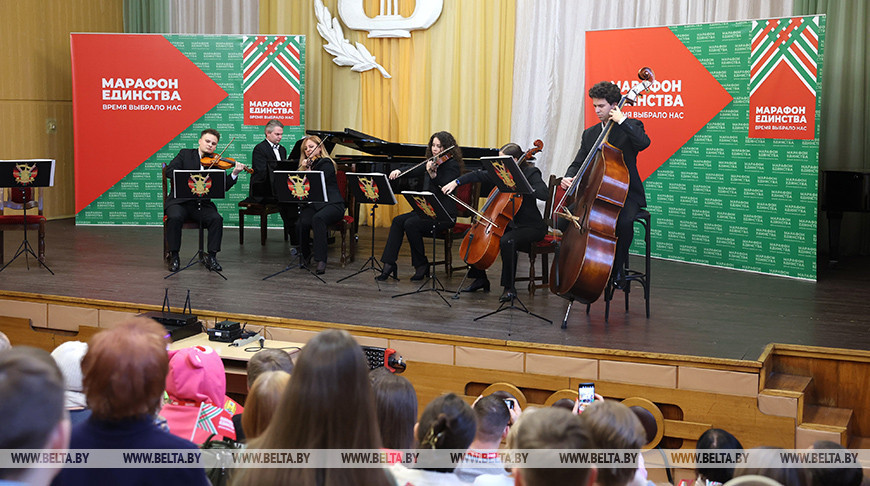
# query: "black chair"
{"points": [[642, 278]]}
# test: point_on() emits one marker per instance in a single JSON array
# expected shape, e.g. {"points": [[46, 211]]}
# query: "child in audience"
{"points": [[446, 423], [262, 402]]}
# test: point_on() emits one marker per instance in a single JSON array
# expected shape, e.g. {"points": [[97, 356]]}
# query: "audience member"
{"points": [[516, 410], [396, 402], [262, 402], [68, 357], [328, 404], [492, 415], [446, 423], [714, 474], [31, 410], [565, 403], [196, 376], [124, 372], [612, 425], [764, 461], [552, 428], [843, 476], [262, 361]]}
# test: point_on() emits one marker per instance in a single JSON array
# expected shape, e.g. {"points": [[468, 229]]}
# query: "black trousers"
{"points": [[318, 220], [211, 220], [625, 232], [415, 227], [290, 215], [512, 242]]}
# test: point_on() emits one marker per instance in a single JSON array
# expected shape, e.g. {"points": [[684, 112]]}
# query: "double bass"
{"points": [[584, 259], [482, 243]]}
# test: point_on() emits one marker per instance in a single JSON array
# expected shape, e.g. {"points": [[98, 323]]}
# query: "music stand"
{"points": [[199, 185], [508, 178], [299, 187], [370, 188], [427, 205], [23, 174]]}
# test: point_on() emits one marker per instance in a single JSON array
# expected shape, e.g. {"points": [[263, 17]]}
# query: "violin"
{"points": [[215, 161], [482, 243], [438, 159]]}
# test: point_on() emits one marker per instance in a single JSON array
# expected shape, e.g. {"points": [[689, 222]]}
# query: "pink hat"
{"points": [[196, 374]]}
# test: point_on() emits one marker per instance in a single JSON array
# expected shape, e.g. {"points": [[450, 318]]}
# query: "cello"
{"points": [[584, 259], [482, 243]]}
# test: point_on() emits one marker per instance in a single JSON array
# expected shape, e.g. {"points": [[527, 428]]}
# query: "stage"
{"points": [[695, 310]]}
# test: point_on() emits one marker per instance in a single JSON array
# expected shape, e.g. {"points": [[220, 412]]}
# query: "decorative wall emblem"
{"points": [[346, 54], [388, 23]]}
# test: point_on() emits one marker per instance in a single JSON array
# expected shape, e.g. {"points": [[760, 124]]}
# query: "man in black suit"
{"points": [[177, 210], [628, 136], [264, 161]]}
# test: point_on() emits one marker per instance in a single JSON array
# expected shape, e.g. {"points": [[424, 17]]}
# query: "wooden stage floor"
{"points": [[695, 310]]}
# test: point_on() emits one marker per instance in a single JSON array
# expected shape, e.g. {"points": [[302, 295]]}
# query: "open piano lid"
{"points": [[378, 149]]}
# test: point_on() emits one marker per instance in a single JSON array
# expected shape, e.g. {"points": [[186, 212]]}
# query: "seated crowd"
{"points": [[123, 390]]}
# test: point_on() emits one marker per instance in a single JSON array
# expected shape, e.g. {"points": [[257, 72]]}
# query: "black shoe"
{"points": [[508, 295], [479, 283], [389, 268], [420, 272], [321, 268], [619, 278], [174, 263], [212, 264]]}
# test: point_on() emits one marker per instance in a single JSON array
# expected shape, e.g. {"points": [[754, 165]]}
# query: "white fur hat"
{"points": [[69, 359]]}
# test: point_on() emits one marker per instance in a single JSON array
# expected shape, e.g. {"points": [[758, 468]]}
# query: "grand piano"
{"points": [[383, 156]]}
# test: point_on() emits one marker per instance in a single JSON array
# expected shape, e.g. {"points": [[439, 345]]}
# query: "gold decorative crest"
{"points": [[369, 188], [424, 206], [24, 174], [504, 174], [199, 184], [299, 186]]}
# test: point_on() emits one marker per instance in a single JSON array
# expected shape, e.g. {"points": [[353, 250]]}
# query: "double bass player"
{"points": [[628, 136]]}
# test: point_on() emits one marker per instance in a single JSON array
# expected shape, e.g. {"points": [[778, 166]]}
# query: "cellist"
{"points": [[628, 136], [526, 227]]}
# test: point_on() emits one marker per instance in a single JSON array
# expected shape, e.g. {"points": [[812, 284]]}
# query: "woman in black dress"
{"points": [[445, 165]]}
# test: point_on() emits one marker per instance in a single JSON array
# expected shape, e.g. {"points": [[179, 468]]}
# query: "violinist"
{"points": [[441, 167], [264, 160], [318, 215], [526, 227], [177, 210], [628, 136]]}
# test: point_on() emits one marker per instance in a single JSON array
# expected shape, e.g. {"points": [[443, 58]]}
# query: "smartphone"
{"points": [[509, 403], [586, 391]]}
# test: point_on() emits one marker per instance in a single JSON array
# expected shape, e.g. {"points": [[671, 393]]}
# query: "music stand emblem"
{"points": [[199, 184], [25, 174], [369, 188], [425, 206], [504, 174], [299, 186]]}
